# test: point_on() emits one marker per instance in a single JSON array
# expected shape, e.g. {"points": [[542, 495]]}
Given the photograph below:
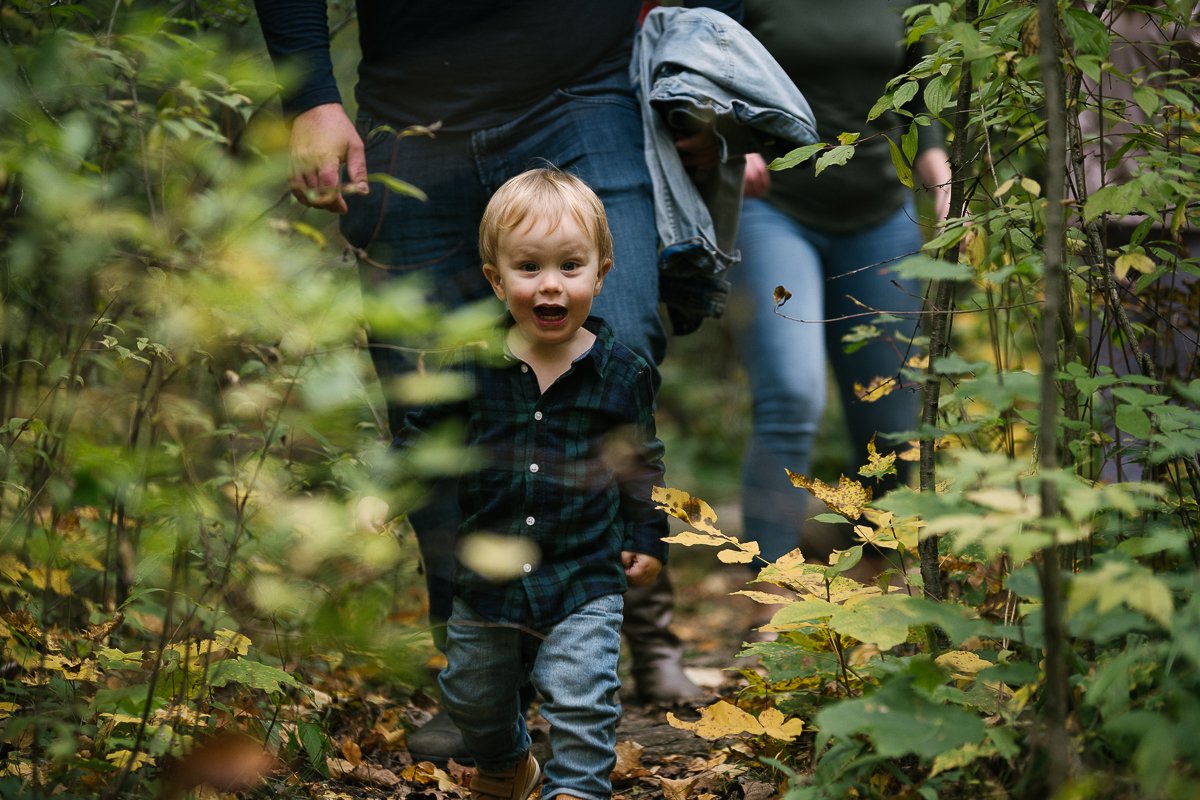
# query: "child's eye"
{"points": [[570, 265], [528, 266]]}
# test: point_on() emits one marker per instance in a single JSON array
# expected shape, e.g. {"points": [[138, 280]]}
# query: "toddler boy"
{"points": [[564, 423]]}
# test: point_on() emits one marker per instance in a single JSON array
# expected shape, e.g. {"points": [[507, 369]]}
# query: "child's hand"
{"points": [[640, 569]]}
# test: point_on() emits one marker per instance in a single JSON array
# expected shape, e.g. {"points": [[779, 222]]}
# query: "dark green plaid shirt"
{"points": [[571, 469]]}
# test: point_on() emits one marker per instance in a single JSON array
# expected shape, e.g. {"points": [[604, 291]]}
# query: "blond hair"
{"points": [[549, 193]]}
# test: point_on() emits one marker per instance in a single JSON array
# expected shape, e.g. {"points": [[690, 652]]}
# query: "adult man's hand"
{"points": [[324, 138]]}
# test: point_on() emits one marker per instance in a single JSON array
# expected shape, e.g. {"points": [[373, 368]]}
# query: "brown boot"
{"points": [[512, 784], [656, 651]]}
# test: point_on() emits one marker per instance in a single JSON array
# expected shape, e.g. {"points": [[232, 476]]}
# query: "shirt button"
{"points": [[524, 368], [533, 467], [537, 415], [529, 520], [527, 567]]}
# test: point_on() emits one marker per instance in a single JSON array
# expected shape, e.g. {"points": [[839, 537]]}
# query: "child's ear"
{"points": [[492, 273], [604, 268]]}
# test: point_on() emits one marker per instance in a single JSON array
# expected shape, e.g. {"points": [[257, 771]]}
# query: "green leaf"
{"points": [[1133, 420], [251, 674], [315, 744], [1087, 30], [396, 185], [1117, 583], [954, 364], [939, 91], [903, 171], [899, 721], [797, 156], [835, 157], [1146, 99], [906, 92], [925, 268]]}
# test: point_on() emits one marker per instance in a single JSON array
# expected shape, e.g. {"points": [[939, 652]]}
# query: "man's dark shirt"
{"points": [[571, 469], [469, 64]]}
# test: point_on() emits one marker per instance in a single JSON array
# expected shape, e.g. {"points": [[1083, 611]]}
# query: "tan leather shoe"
{"points": [[513, 784]]}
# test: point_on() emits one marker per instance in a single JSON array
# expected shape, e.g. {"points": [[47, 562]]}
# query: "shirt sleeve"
{"points": [[645, 524], [297, 37]]}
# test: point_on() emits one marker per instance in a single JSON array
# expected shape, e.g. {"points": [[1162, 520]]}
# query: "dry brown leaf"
{"points": [[375, 776], [758, 790], [676, 789], [629, 761], [352, 752]]}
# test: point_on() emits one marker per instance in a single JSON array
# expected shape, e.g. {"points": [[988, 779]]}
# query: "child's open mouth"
{"points": [[550, 313]]}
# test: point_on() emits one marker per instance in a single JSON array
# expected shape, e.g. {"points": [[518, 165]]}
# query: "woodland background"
{"points": [[188, 421]]}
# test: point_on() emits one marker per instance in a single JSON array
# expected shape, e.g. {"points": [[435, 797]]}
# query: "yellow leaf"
{"points": [[690, 538], [122, 758], [7, 709], [876, 389], [1031, 186], [870, 536], [973, 247], [847, 498], [719, 720], [779, 727], [877, 466], [765, 598], [1003, 188], [744, 554], [11, 569], [53, 579], [691, 510], [232, 641], [963, 663], [1138, 261]]}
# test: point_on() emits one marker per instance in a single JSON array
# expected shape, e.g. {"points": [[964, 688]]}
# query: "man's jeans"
{"points": [[785, 360], [575, 670], [593, 131]]}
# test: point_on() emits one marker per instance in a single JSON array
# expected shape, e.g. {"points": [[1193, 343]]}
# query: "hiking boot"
{"points": [[438, 741], [656, 652], [516, 783]]}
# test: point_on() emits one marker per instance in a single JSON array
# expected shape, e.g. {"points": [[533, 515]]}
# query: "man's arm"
{"points": [[323, 137]]}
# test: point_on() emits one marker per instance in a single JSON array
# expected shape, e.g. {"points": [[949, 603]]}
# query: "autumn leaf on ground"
{"points": [[777, 726], [963, 664], [677, 789], [352, 752], [426, 772], [629, 761], [847, 498], [876, 389], [718, 720]]}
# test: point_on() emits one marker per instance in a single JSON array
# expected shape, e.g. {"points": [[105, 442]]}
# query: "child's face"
{"points": [[548, 271]]}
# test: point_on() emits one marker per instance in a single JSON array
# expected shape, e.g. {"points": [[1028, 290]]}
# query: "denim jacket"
{"points": [[696, 68]]}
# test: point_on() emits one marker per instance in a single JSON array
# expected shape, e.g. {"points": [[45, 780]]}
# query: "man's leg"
{"points": [[400, 238]]}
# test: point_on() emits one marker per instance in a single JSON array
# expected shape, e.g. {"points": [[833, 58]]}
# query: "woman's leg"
{"points": [[879, 248], [785, 362]]}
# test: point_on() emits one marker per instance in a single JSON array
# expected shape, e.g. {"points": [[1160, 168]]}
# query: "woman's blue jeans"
{"points": [[574, 668], [593, 131], [785, 359]]}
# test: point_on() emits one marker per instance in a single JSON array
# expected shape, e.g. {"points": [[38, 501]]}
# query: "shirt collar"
{"points": [[598, 355]]}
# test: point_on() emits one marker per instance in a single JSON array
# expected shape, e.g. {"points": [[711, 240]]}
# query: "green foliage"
{"points": [[187, 418], [901, 694]]}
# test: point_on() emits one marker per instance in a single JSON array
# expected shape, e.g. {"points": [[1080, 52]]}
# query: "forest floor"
{"points": [[655, 760]]}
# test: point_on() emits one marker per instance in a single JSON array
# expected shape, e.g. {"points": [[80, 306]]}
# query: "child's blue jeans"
{"points": [[574, 668]]}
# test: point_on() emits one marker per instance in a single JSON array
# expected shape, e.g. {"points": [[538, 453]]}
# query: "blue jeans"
{"points": [[574, 668], [785, 361], [593, 131]]}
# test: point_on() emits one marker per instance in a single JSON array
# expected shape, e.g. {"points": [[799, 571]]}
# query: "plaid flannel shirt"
{"points": [[571, 469]]}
